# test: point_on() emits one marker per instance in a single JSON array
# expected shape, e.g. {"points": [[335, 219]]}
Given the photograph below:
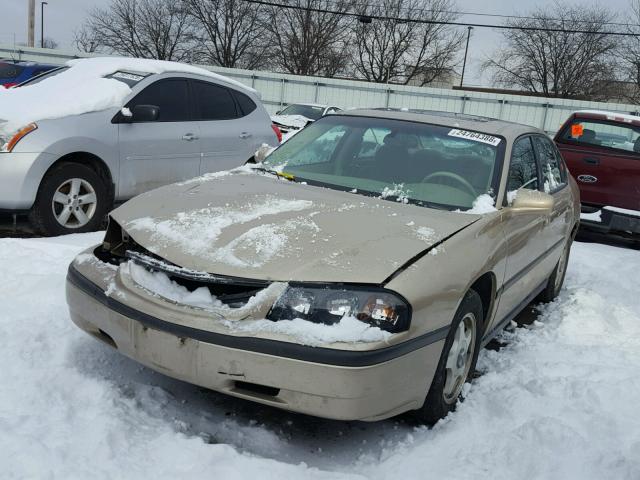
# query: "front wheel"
{"points": [[72, 199], [457, 361]]}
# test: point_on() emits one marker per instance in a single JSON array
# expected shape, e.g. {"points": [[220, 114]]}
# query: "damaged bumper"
{"points": [[346, 384]]}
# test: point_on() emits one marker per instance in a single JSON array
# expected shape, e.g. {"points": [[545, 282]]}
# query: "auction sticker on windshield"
{"points": [[475, 136]]}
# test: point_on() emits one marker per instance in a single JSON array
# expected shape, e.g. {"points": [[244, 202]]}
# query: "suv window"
{"points": [[170, 95], [603, 134], [245, 103], [213, 102], [10, 70], [523, 171]]}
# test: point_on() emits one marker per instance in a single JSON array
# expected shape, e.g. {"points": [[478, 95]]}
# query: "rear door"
{"points": [[555, 183], [227, 126], [604, 158], [160, 152]]}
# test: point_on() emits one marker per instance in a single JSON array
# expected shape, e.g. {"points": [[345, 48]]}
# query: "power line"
{"points": [[442, 22]]}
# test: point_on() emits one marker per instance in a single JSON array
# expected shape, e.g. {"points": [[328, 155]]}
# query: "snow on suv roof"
{"points": [[83, 88]]}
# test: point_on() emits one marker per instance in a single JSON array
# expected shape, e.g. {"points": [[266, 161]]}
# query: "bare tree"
{"points": [[160, 29], [307, 40], [49, 42], [628, 54], [541, 56], [393, 49], [230, 32], [85, 40]]}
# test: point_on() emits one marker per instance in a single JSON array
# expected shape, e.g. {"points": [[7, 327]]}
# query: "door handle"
{"points": [[189, 136], [591, 160], [245, 135]]}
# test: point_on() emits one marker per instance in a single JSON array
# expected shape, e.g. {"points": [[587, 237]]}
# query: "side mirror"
{"points": [[531, 200], [145, 113]]}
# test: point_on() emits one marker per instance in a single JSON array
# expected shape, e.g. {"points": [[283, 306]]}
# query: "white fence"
{"points": [[279, 89]]}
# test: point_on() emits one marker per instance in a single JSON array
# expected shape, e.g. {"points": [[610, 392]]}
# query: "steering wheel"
{"points": [[452, 176]]}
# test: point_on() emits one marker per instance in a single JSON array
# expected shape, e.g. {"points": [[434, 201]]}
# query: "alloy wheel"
{"points": [[74, 203], [460, 357]]}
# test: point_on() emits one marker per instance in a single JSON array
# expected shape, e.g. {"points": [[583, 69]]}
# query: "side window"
{"points": [[246, 104], [372, 140], [170, 95], [523, 171], [550, 164], [603, 134], [213, 102]]}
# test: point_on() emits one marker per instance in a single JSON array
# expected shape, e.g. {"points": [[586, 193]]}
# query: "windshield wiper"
{"points": [[287, 176]]}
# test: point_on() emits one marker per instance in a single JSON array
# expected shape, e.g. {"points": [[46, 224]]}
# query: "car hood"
{"points": [[258, 226]]}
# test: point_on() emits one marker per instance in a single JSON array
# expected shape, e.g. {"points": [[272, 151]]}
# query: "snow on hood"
{"points": [[295, 121], [82, 89], [258, 226]]}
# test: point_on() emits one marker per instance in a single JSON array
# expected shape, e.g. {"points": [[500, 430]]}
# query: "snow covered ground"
{"points": [[558, 401]]}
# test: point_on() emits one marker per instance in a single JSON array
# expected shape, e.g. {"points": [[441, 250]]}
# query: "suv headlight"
{"points": [[329, 303], [8, 143]]}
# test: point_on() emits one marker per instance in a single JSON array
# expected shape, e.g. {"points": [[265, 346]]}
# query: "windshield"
{"points": [[309, 111], [429, 165]]}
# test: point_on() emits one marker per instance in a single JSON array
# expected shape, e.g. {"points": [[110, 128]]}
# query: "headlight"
{"points": [[7, 144], [328, 304]]}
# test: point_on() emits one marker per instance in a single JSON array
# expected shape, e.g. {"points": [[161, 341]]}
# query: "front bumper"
{"points": [[20, 176], [325, 382]]}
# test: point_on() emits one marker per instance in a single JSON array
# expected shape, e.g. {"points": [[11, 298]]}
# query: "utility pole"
{"points": [[464, 63], [42, 4], [31, 19]]}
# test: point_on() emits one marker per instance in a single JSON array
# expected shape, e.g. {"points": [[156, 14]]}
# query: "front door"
{"points": [[525, 234], [160, 152]]}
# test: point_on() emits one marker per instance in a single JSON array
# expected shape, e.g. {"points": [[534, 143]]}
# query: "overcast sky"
{"points": [[62, 17]]}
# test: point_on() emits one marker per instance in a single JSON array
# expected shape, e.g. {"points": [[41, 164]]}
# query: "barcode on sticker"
{"points": [[475, 136]]}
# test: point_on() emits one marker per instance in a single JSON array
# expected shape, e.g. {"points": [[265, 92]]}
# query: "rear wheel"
{"points": [[457, 361], [556, 280], [72, 198]]}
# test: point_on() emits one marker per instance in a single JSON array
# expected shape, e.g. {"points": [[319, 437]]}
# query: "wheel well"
{"points": [[485, 286], [92, 161]]}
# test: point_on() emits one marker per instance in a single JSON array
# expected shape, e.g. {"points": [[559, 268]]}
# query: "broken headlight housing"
{"points": [[328, 304]]}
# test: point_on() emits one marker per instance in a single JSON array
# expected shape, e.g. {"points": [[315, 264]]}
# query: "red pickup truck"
{"points": [[602, 152]]}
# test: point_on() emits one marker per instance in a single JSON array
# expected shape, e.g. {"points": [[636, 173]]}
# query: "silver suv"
{"points": [[67, 172]]}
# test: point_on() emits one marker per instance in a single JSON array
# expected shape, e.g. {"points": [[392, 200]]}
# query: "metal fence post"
{"points": [[315, 97], [282, 93], [253, 81], [389, 91], [546, 106]]}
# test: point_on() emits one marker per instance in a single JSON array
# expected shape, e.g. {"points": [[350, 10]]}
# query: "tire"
{"points": [[444, 393], [556, 280], [57, 211]]}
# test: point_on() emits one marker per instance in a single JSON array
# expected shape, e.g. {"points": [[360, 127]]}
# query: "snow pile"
{"points": [[558, 401], [261, 244], [485, 203], [82, 89], [198, 230], [347, 330], [398, 191]]}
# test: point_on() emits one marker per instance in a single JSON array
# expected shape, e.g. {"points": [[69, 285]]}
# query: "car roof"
{"points": [[509, 130], [611, 116]]}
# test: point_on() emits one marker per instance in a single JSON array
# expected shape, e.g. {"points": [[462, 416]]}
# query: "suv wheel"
{"points": [[457, 361], [72, 199]]}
